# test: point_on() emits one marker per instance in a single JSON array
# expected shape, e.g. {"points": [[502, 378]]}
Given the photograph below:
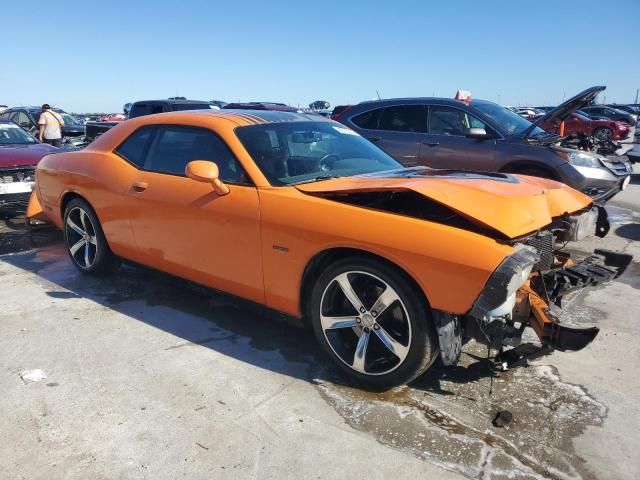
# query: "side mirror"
{"points": [[479, 133], [205, 171]]}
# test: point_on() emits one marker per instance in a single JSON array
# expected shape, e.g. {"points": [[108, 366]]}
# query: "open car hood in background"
{"points": [[514, 205], [565, 109]]}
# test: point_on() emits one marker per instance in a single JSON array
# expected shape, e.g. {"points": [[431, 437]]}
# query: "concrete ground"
{"points": [[150, 377]]}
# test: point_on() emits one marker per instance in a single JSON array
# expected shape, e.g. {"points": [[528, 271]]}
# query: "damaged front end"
{"points": [[526, 290]]}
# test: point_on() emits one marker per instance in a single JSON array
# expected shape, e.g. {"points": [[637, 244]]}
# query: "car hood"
{"points": [[514, 205], [24, 155], [565, 109]]}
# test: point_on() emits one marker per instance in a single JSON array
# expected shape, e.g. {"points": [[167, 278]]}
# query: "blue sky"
{"points": [[96, 56]]}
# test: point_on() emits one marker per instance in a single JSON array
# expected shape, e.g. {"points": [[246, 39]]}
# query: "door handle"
{"points": [[139, 186], [374, 139], [431, 144]]}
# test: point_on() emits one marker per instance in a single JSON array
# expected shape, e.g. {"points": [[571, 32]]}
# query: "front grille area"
{"points": [[543, 243], [17, 174], [619, 168]]}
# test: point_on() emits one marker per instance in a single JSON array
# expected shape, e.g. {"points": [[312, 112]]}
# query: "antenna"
{"points": [[378, 94]]}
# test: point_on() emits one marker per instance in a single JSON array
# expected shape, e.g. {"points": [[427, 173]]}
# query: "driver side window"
{"points": [[174, 146], [22, 120]]}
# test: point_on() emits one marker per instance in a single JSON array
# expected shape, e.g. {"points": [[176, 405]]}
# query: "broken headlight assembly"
{"points": [[499, 294], [578, 158]]}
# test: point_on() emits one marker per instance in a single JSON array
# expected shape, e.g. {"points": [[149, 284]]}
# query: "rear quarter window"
{"points": [[135, 147], [368, 120]]}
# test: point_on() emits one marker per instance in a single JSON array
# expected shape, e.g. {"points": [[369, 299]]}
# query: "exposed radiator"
{"points": [[543, 243]]}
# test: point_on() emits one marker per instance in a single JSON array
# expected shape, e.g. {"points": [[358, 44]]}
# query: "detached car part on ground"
{"points": [[484, 136], [392, 266]]}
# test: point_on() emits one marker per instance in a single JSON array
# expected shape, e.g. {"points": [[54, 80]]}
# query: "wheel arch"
{"points": [[517, 166], [326, 257], [66, 199]]}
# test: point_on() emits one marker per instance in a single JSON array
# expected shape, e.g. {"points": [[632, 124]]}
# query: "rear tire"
{"points": [[380, 332], [85, 240]]}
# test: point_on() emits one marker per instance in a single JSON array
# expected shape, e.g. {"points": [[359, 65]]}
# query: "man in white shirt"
{"points": [[51, 124]]}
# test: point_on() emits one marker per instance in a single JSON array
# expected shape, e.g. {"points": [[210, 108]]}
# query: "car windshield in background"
{"points": [[69, 120], [508, 120], [191, 106], [12, 134], [299, 152]]}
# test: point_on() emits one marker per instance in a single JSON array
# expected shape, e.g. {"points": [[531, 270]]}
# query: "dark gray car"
{"points": [[611, 113], [484, 136]]}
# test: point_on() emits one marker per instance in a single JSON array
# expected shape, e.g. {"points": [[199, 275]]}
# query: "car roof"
{"points": [[448, 101], [254, 117], [175, 102], [238, 117], [38, 109]]}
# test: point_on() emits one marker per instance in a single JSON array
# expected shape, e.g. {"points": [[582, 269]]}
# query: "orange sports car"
{"points": [[392, 266]]}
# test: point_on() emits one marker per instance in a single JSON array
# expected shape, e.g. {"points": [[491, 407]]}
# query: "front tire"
{"points": [[373, 322], [85, 240], [603, 134]]}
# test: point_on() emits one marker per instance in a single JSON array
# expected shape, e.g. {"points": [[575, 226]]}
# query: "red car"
{"points": [[600, 129], [19, 155]]}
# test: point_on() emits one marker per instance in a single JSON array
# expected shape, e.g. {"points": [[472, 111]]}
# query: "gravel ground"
{"points": [[145, 376]]}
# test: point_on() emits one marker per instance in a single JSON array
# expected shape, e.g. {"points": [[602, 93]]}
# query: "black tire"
{"points": [[603, 134], [420, 346], [96, 258]]}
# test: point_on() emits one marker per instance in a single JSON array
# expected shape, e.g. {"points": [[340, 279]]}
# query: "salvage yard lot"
{"points": [[148, 376]]}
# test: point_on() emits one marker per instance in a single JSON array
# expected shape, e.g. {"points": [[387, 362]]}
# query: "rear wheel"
{"points": [[85, 240], [373, 322]]}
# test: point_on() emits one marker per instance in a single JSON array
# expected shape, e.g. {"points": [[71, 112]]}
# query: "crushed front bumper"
{"points": [[537, 304], [536, 301]]}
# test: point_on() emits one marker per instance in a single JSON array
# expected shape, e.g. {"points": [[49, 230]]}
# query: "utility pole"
{"points": [[637, 95]]}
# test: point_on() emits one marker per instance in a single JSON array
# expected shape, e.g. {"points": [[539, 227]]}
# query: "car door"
{"points": [[394, 129], [447, 146], [400, 130], [572, 124], [182, 226]]}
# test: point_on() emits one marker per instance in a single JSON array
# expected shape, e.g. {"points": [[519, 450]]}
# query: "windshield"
{"points": [[508, 120], [12, 134], [69, 120], [299, 152]]}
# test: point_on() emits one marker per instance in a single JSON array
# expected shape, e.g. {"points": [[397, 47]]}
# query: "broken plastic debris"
{"points": [[502, 418], [36, 375]]}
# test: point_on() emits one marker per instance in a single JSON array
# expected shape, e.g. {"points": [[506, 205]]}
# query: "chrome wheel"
{"points": [[365, 323], [81, 238], [603, 134]]}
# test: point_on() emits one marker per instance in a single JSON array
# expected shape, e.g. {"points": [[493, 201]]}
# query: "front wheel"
{"points": [[373, 322], [85, 240], [603, 134]]}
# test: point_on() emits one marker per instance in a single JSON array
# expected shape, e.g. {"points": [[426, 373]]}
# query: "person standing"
{"points": [[51, 124]]}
